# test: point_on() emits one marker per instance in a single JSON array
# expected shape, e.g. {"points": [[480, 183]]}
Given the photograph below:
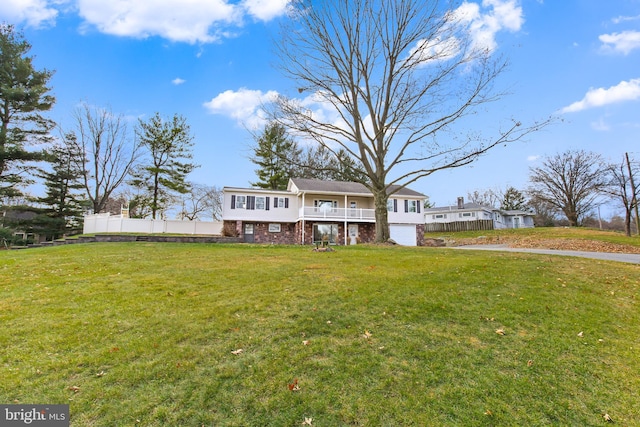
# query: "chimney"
{"points": [[460, 202]]}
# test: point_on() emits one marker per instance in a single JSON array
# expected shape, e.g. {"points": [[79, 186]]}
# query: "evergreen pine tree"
{"points": [[513, 200], [23, 96], [277, 157], [169, 145], [64, 205]]}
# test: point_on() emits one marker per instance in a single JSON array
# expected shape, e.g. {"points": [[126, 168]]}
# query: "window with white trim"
{"points": [[241, 202], [274, 228], [325, 233], [325, 205], [260, 202]]}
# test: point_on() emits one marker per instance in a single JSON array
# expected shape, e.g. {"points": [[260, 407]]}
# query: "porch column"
{"points": [[346, 234], [303, 225]]}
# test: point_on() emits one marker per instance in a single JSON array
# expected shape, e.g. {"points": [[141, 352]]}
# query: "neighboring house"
{"points": [[12, 218], [486, 217], [313, 211]]}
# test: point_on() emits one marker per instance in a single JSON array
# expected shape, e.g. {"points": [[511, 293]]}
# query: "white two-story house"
{"points": [[314, 211]]}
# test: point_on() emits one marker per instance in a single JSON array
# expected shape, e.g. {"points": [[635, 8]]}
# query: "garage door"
{"points": [[403, 234]]}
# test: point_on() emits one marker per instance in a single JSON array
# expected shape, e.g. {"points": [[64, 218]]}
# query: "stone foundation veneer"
{"points": [[286, 235], [291, 234]]}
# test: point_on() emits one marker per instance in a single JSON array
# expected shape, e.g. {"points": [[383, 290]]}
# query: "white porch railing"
{"points": [[350, 214]]}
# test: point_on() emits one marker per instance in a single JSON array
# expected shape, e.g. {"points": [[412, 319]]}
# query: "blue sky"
{"points": [[213, 62]]}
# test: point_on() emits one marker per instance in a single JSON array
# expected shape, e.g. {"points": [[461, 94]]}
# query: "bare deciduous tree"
{"points": [[620, 188], [107, 152], [571, 182], [202, 201], [490, 198], [398, 74]]}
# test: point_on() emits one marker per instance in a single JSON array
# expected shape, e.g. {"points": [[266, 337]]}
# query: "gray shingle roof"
{"points": [[343, 187]]}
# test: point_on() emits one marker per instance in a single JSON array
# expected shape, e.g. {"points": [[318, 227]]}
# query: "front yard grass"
{"points": [[245, 335]]}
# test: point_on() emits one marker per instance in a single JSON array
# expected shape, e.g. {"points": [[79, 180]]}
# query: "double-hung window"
{"points": [[241, 202], [249, 202]]}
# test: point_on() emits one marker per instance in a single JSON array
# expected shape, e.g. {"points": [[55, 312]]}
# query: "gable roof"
{"points": [[342, 187]]}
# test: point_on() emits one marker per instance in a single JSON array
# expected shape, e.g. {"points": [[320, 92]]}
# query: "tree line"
{"points": [[83, 167], [568, 187]]}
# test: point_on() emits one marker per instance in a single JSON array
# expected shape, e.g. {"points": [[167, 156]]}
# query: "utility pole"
{"points": [[634, 198]]}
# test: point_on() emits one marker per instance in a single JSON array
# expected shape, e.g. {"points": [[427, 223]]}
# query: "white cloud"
{"points": [[35, 13], [243, 105], [191, 21], [178, 81], [533, 158], [482, 21], [600, 125], [623, 42], [621, 19], [176, 20], [498, 15], [624, 91], [435, 49], [265, 10]]}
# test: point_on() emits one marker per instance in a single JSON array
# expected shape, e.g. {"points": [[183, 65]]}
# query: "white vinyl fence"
{"points": [[107, 223]]}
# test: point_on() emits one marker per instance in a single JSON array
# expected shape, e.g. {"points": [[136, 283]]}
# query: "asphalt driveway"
{"points": [[631, 258]]}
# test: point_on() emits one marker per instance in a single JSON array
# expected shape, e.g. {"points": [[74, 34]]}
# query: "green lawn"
{"points": [[145, 334]]}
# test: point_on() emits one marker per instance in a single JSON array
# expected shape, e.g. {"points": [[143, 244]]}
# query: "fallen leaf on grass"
{"points": [[607, 418], [500, 332], [306, 342], [488, 413], [307, 421], [237, 352], [100, 374], [367, 334], [580, 334], [294, 385], [74, 388]]}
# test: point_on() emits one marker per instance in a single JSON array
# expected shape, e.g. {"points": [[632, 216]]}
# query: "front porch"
{"points": [[323, 213]]}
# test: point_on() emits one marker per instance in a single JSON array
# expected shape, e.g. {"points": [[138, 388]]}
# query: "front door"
{"points": [[353, 234], [248, 233], [516, 222]]}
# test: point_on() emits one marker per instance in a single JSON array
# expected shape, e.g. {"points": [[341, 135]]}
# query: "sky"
{"points": [[213, 61]]}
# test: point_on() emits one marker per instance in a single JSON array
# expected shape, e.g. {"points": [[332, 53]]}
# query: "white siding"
{"points": [[274, 214]]}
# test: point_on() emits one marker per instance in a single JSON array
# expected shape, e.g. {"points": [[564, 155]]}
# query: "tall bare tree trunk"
{"points": [[382, 219]]}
